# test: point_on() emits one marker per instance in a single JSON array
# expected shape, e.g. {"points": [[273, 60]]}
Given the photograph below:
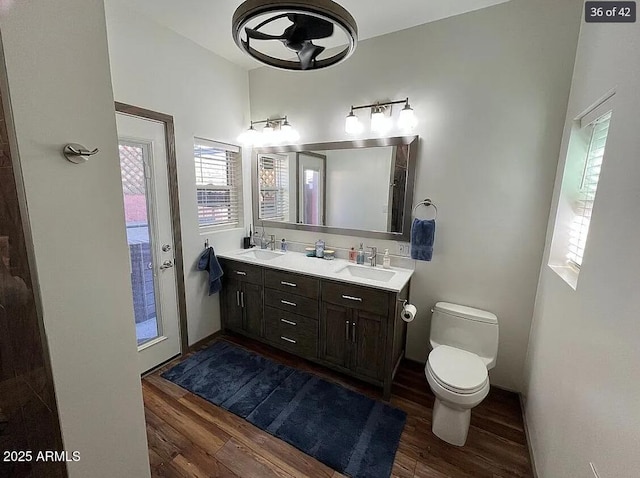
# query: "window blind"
{"points": [[588, 188], [273, 172], [218, 183]]}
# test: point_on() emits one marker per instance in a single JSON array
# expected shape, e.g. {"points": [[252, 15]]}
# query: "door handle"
{"points": [[166, 247], [238, 298], [166, 265], [353, 332], [346, 330], [242, 299]]}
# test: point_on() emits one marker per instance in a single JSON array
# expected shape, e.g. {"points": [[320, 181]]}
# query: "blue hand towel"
{"points": [[423, 234], [209, 262]]}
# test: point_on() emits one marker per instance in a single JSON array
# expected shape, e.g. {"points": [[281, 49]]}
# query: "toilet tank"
{"points": [[466, 328]]}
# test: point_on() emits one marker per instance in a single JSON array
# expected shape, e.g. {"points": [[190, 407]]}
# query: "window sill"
{"points": [[567, 273]]}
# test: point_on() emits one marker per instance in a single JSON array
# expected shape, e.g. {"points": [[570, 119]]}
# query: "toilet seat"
{"points": [[457, 370]]}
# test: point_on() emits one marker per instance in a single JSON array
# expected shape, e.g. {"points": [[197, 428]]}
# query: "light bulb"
{"points": [[379, 122], [407, 120], [352, 125]]}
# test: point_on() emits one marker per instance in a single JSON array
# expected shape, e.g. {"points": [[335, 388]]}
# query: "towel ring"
{"points": [[426, 202]]}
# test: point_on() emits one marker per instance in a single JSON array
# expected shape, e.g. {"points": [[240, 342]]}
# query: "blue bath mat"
{"points": [[345, 430]]}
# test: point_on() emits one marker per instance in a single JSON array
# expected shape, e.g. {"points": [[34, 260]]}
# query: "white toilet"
{"points": [[465, 346]]}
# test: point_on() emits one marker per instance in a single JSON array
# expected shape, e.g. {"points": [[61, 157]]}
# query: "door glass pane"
{"points": [[136, 210]]}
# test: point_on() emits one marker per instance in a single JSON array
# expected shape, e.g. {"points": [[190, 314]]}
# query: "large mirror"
{"points": [[361, 188]]}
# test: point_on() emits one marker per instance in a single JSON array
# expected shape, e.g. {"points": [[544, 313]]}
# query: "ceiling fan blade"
{"points": [[310, 28], [308, 53], [256, 35]]}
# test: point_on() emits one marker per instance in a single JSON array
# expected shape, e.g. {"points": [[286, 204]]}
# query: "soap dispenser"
{"points": [[360, 259], [386, 260]]}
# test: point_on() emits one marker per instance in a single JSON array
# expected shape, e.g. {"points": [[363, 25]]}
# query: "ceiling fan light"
{"points": [[311, 21]]}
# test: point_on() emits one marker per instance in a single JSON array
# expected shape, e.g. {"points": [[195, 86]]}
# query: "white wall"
{"points": [[582, 375], [356, 184], [157, 69], [490, 89], [60, 92]]}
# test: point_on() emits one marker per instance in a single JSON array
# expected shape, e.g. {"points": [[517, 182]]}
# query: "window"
{"points": [[585, 156], [583, 205], [273, 173], [218, 183]]}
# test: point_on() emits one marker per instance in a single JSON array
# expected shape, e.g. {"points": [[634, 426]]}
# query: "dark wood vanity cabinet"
{"points": [[242, 298], [353, 329]]}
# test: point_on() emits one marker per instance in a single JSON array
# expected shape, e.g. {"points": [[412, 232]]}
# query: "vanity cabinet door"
{"points": [[368, 340], [232, 309], [251, 302], [334, 334]]}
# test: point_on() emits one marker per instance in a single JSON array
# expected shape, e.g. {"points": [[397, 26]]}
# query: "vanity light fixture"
{"points": [[275, 131], [381, 119]]}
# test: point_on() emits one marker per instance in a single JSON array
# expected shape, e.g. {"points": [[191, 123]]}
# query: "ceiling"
{"points": [[208, 22]]}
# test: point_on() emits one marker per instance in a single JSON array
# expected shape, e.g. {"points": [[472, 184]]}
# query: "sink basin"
{"points": [[261, 254], [364, 272]]}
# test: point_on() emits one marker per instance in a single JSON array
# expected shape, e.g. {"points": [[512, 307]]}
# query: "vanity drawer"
{"points": [[291, 332], [291, 303], [241, 271], [294, 283], [355, 297]]}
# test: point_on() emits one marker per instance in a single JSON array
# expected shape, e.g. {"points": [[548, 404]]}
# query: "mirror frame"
{"points": [[403, 236]]}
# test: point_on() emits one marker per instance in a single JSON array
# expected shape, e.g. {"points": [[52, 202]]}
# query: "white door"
{"points": [[311, 183], [145, 186]]}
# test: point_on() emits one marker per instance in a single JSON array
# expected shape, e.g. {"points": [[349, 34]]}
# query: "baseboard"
{"points": [[205, 341], [532, 458]]}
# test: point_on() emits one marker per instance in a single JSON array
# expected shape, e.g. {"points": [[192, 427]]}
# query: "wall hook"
{"points": [[76, 153]]}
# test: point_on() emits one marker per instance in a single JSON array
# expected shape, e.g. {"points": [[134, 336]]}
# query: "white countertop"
{"points": [[325, 269]]}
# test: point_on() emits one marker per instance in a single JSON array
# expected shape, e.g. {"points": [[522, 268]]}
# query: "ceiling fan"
{"points": [[309, 22]]}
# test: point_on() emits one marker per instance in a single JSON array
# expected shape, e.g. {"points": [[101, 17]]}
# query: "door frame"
{"points": [[174, 207]]}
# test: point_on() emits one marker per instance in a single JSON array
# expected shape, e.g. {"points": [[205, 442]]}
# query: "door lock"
{"points": [[166, 265]]}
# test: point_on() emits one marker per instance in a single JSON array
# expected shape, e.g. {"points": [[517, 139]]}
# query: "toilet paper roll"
{"points": [[409, 312]]}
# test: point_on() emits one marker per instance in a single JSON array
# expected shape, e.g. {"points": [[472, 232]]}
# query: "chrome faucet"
{"points": [[374, 254], [271, 242]]}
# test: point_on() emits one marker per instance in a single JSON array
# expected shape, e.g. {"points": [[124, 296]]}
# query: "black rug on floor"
{"points": [[346, 430]]}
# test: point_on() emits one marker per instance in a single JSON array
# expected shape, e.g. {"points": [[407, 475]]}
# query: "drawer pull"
{"points": [[286, 302], [350, 297], [290, 284], [240, 273], [291, 341], [288, 322]]}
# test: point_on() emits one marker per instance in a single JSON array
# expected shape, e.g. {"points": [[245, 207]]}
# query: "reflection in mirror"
{"points": [[346, 187]]}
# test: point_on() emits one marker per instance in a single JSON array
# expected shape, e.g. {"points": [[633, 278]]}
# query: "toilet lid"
{"points": [[458, 369]]}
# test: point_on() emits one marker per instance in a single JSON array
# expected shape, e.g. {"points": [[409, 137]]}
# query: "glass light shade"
{"points": [[289, 133], [268, 133], [352, 125], [379, 122], [407, 120], [249, 137]]}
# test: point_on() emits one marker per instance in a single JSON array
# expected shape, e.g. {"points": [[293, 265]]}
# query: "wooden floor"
{"points": [[189, 436]]}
